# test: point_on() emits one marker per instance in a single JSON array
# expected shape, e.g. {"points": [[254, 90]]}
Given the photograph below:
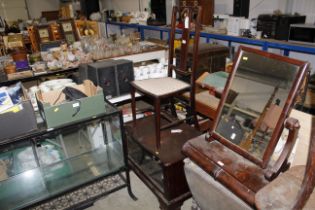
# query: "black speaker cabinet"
{"points": [[113, 76], [107, 80], [103, 75], [241, 8], [83, 72], [125, 74], [91, 71]]}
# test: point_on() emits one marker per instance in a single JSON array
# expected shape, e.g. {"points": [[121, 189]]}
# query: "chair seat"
{"points": [[206, 99], [208, 192], [206, 103], [282, 192], [160, 86]]}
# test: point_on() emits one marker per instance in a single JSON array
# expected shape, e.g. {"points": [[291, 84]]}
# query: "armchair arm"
{"points": [[281, 164]]}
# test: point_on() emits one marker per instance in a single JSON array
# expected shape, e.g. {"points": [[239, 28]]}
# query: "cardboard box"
{"points": [[14, 124], [56, 111]]}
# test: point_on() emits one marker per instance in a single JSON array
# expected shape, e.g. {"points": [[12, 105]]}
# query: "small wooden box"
{"points": [[82, 26], [56, 32]]}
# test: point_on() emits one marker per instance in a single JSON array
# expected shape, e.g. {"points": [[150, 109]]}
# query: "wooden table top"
{"points": [[171, 143]]}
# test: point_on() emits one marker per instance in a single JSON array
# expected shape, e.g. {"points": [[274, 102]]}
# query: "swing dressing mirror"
{"points": [[266, 86]]}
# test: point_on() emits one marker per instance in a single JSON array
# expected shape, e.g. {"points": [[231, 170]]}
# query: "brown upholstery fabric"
{"points": [[209, 193], [207, 99], [206, 103]]}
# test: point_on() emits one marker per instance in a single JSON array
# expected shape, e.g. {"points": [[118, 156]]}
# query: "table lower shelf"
{"points": [[43, 183], [162, 173], [153, 180]]}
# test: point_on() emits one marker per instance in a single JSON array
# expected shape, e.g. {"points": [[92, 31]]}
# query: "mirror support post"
{"points": [[282, 164]]}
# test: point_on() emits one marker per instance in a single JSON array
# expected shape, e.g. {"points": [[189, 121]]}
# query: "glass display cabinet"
{"points": [[48, 163]]}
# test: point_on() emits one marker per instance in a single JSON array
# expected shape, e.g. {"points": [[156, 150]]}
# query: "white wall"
{"points": [[267, 6], [13, 10], [221, 6], [305, 7], [134, 5], [256, 7], [37, 6], [125, 5]]}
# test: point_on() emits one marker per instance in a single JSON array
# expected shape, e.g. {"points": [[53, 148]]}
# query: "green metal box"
{"points": [[56, 111]]}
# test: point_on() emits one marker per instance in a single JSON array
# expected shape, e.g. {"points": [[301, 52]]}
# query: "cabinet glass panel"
{"points": [[67, 158], [148, 164], [15, 159], [70, 142], [24, 188]]}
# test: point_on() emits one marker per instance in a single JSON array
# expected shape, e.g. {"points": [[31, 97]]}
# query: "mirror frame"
{"points": [[294, 90]]}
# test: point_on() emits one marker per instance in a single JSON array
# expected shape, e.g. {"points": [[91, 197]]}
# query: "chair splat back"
{"points": [[189, 17]]}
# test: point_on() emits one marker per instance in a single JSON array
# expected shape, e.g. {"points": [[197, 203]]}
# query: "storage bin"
{"points": [[18, 122], [56, 111]]}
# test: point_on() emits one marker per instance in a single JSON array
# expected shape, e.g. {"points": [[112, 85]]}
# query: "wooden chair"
{"points": [[207, 97], [244, 167], [161, 89]]}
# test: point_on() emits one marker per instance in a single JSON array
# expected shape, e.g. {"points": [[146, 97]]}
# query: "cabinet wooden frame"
{"points": [[56, 33], [43, 34], [69, 30], [15, 41], [33, 38]]}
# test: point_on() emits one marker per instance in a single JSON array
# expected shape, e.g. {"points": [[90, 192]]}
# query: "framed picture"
{"points": [[56, 33], [43, 33], [69, 30], [67, 27], [14, 41]]}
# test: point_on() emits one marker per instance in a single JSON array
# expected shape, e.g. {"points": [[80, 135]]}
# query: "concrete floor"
{"points": [[120, 200]]}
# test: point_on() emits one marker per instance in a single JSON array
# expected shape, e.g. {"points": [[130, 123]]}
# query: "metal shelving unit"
{"points": [[263, 43]]}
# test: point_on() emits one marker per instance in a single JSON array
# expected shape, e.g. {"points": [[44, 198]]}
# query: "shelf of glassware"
{"points": [[265, 44]]}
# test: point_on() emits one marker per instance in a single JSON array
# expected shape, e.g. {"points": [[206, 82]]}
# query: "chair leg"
{"points": [[193, 113], [172, 106], [133, 104], [157, 108], [196, 123]]}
